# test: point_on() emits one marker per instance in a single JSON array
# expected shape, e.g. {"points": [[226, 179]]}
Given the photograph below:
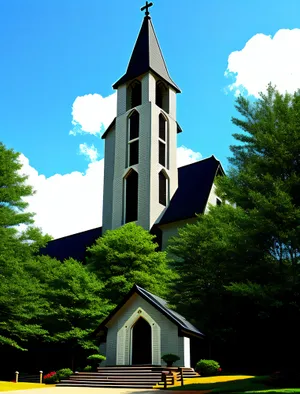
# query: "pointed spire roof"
{"points": [[146, 56]]}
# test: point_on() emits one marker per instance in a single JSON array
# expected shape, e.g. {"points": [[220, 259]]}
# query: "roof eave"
{"points": [[127, 78], [108, 129]]}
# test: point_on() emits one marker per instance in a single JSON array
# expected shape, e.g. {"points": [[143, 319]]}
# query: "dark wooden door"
{"points": [[141, 343]]}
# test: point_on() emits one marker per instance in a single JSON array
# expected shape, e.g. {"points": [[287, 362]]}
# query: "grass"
{"points": [[10, 386], [274, 391]]}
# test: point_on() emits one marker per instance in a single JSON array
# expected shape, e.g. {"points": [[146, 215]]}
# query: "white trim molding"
{"points": [[124, 339]]}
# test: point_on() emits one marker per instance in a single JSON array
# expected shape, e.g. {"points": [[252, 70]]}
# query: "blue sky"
{"points": [[54, 54]]}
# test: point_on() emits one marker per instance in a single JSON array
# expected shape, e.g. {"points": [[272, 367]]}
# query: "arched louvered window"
{"points": [[163, 141], [163, 188], [134, 94], [131, 196], [133, 139]]}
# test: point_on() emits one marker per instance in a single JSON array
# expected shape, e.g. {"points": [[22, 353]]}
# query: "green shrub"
{"points": [[208, 367], [170, 359], [88, 368], [97, 358], [64, 373]]}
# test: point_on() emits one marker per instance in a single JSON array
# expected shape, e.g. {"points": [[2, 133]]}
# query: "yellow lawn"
{"points": [[216, 379], [212, 379], [9, 386]]}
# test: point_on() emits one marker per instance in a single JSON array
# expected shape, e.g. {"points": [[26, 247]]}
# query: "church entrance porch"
{"points": [[141, 343]]}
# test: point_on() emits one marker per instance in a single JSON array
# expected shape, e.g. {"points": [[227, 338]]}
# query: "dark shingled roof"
{"points": [[160, 304], [146, 56], [194, 185], [72, 245]]}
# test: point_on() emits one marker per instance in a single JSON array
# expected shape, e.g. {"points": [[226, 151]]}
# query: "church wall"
{"points": [[172, 106], [212, 198], [102, 350], [171, 230], [170, 341], [121, 100], [108, 180], [187, 352]]}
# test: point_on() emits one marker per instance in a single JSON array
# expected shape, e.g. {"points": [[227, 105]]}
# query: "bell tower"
{"points": [[140, 169]]}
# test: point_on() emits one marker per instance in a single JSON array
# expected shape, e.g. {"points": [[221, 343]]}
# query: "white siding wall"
{"points": [[109, 164], [187, 352], [102, 350], [121, 100], [171, 230], [170, 342], [212, 199], [148, 168]]}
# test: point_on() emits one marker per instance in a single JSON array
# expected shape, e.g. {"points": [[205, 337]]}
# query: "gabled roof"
{"points": [[72, 246], [194, 185], [160, 304], [146, 56], [110, 127]]}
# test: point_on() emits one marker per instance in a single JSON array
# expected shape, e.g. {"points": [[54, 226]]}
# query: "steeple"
{"points": [[146, 56], [140, 170]]}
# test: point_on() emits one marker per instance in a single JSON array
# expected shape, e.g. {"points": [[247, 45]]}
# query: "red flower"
{"points": [[49, 375], [219, 369]]}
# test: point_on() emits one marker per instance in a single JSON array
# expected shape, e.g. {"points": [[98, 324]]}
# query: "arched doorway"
{"points": [[141, 347]]}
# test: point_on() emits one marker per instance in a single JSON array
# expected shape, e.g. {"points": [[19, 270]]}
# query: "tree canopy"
{"points": [[238, 265], [19, 301], [126, 256]]}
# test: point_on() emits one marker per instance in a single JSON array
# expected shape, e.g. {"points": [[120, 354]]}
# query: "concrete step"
{"points": [[68, 383]]}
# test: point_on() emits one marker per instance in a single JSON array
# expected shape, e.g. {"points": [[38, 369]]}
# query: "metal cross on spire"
{"points": [[146, 7]]}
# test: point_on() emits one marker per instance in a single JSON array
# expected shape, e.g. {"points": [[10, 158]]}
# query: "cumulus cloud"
{"points": [[66, 204], [93, 113], [70, 203], [266, 59], [186, 156], [90, 152]]}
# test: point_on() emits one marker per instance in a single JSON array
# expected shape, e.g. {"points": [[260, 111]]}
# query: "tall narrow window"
{"points": [[134, 94], [162, 185], [162, 96], [133, 138], [131, 200], [162, 141]]}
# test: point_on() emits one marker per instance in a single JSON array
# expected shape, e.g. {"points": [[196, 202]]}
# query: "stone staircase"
{"points": [[123, 377]]}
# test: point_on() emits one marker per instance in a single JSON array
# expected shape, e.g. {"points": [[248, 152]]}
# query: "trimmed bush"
{"points": [[97, 358], [170, 359], [88, 368], [208, 367], [64, 373]]}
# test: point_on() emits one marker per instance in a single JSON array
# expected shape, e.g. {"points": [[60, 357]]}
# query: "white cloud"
{"points": [[93, 113], [186, 156], [70, 203], [90, 152], [265, 59], [66, 204]]}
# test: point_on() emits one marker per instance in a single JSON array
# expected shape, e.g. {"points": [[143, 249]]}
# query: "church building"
{"points": [[141, 180], [143, 184]]}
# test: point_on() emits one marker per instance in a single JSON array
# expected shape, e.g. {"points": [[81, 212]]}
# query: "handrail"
{"points": [[173, 375]]}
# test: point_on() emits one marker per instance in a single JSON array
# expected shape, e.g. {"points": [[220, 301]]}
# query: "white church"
{"points": [[143, 184], [141, 180]]}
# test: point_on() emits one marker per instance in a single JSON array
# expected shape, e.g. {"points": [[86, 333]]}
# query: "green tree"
{"points": [[239, 267], [19, 301], [128, 256], [74, 306]]}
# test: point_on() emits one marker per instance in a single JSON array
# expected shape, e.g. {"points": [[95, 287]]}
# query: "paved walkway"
{"points": [[87, 390]]}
